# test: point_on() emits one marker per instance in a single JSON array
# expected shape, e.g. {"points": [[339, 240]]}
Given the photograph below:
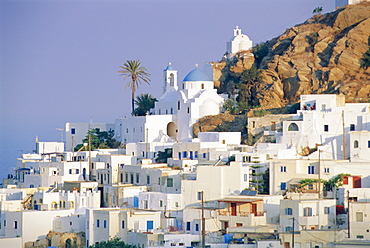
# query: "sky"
{"points": [[59, 60]]}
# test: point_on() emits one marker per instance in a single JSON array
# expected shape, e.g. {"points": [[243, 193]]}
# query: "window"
{"points": [[77, 171], [184, 154], [359, 236], [97, 223], [169, 182], [147, 179], [311, 169], [188, 110], [179, 155], [307, 211], [123, 224], [323, 106], [188, 226], [202, 86], [293, 127], [70, 171], [253, 124], [70, 223], [199, 196], [246, 158], [176, 204], [352, 127], [126, 179], [326, 210], [195, 154], [15, 224], [368, 144], [327, 170], [245, 177], [197, 227], [161, 203], [326, 128], [289, 211], [204, 155], [359, 216], [355, 144], [223, 142], [282, 168], [178, 105], [288, 228], [4, 222], [132, 178], [137, 177], [105, 223], [283, 186], [73, 131]]}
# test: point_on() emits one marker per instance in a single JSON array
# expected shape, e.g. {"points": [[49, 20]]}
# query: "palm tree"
{"points": [[137, 74], [144, 103]]}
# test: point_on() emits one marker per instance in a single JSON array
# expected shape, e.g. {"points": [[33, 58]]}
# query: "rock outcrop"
{"points": [[320, 56]]}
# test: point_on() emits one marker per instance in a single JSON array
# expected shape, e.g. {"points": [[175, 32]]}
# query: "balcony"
{"points": [[226, 212]]}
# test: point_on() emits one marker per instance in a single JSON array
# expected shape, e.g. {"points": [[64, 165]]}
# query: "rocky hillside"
{"points": [[321, 56]]}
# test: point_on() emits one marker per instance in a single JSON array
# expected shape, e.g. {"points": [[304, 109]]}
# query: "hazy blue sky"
{"points": [[59, 59]]}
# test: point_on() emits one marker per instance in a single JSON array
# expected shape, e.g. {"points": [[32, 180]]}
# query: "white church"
{"points": [[173, 116]]}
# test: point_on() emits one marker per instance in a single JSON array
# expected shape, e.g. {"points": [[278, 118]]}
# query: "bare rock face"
{"points": [[322, 55]]}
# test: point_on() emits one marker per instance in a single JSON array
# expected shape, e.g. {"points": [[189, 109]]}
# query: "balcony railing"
{"points": [[239, 213]]}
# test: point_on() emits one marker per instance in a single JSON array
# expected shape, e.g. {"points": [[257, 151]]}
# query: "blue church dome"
{"points": [[169, 67], [196, 75]]}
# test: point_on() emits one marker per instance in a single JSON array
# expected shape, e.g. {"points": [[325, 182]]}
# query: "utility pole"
{"points": [[349, 233], [146, 143], [203, 223], [73, 147], [319, 189], [90, 164], [344, 137], [293, 234]]}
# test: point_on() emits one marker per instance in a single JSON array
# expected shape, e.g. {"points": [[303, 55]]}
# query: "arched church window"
{"points": [[293, 127], [172, 82], [355, 144]]}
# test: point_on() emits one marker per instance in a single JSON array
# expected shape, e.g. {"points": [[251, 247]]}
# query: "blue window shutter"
{"points": [[149, 225], [283, 186], [136, 202]]}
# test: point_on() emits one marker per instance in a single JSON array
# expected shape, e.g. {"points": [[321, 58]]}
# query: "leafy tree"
{"points": [[260, 51], [99, 140], [317, 10], [229, 105], [144, 103], [365, 60], [250, 80], [113, 243], [164, 155], [137, 74]]}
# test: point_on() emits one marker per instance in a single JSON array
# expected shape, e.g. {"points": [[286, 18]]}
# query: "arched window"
{"points": [[54, 205], [71, 204], [293, 127], [202, 86], [355, 144]]}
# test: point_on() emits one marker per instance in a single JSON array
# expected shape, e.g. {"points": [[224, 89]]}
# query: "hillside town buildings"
{"points": [[305, 183]]}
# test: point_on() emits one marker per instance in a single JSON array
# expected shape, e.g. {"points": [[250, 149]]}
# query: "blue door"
{"points": [[149, 225], [136, 202]]}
